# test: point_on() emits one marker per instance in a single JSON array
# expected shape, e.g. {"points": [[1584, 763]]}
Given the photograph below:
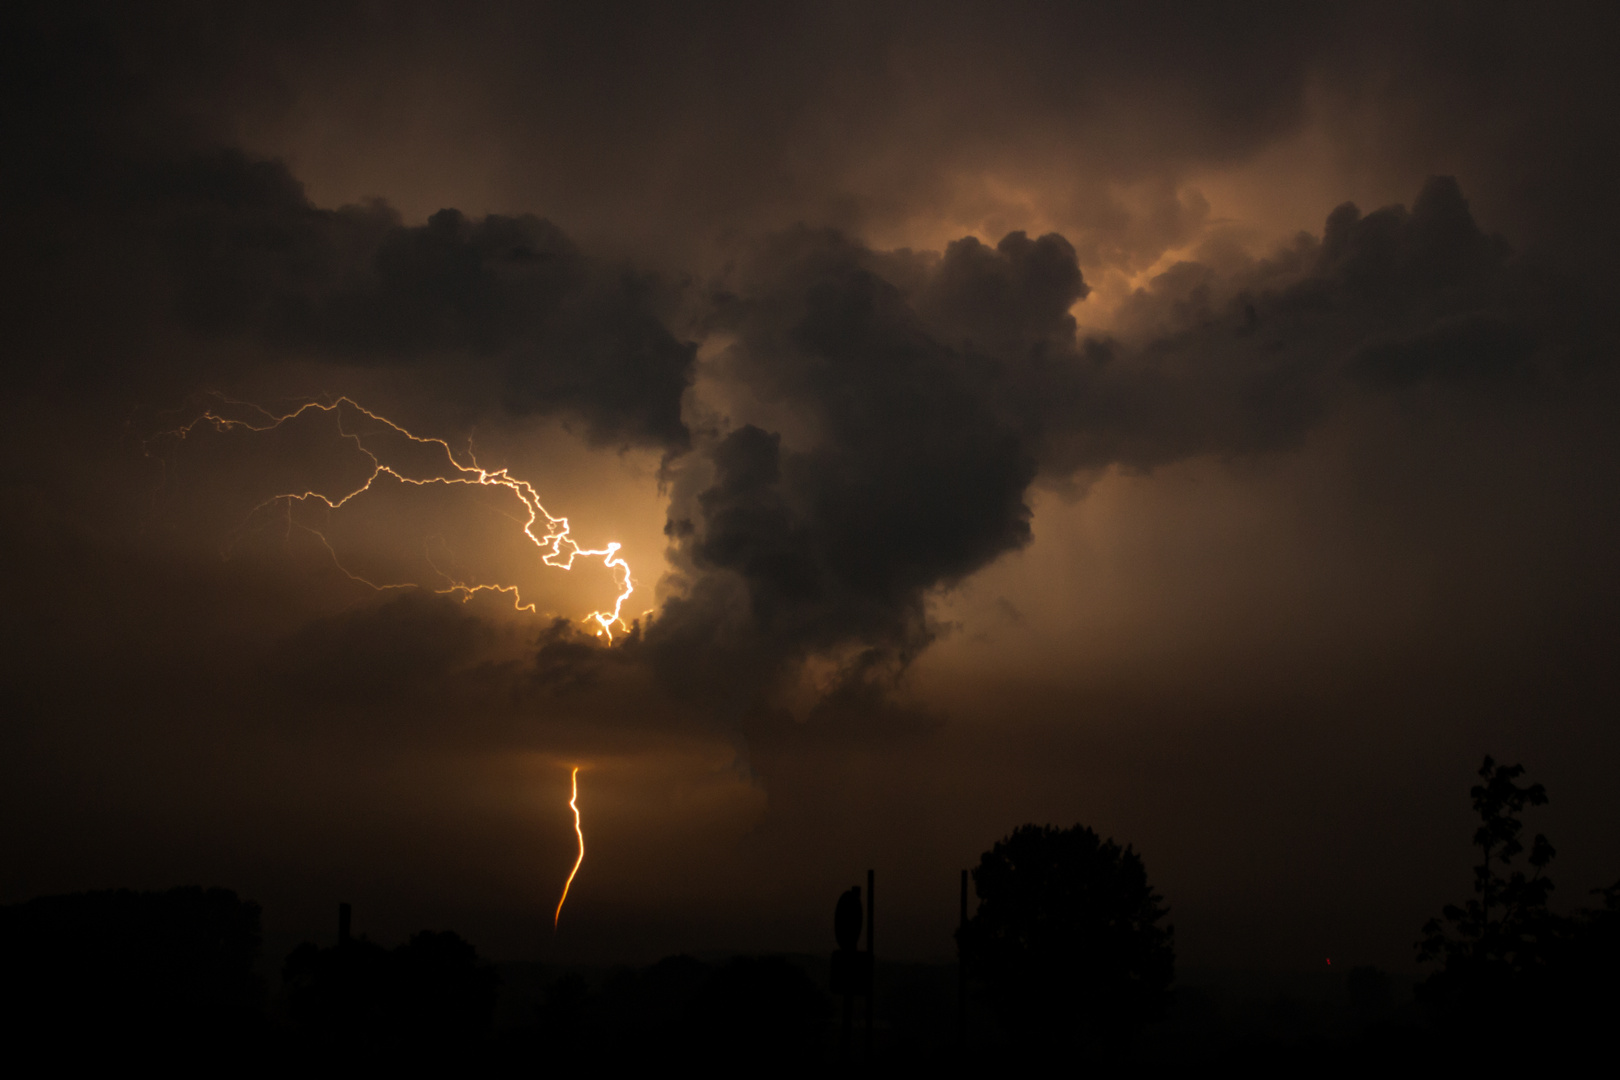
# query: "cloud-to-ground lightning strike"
{"points": [[557, 547], [573, 804]]}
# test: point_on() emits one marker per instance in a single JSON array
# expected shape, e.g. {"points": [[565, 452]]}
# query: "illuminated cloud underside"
{"points": [[556, 545]]}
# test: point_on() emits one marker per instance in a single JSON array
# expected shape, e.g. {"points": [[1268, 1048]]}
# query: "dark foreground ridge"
{"points": [[1065, 958]]}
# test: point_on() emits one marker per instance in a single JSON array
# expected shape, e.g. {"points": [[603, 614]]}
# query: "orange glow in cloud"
{"points": [[548, 533], [573, 804]]}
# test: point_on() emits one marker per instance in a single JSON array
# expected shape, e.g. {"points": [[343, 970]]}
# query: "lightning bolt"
{"points": [[573, 804], [548, 533]]}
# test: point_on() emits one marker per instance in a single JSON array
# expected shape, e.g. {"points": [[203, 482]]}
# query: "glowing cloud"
{"points": [[548, 533]]}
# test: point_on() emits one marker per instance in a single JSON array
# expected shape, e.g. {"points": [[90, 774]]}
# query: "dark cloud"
{"points": [[564, 334], [1008, 300], [915, 476], [383, 656], [188, 205], [921, 395], [121, 187], [857, 115], [1464, 349], [924, 395], [1250, 360]]}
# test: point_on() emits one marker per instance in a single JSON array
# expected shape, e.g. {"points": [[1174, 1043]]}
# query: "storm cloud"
{"points": [[923, 395], [1020, 413], [122, 196]]}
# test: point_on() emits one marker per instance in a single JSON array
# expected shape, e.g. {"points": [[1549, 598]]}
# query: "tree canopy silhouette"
{"points": [[1515, 979], [764, 1014], [1067, 938], [1498, 940], [429, 997]]}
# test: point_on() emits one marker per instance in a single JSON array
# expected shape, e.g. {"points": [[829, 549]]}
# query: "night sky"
{"points": [[1198, 422]]}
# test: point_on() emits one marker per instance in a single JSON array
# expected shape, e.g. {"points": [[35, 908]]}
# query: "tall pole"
{"points": [[871, 959], [961, 968]]}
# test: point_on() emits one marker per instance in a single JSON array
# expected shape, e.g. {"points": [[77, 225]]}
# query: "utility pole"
{"points": [[961, 968], [850, 972], [871, 960]]}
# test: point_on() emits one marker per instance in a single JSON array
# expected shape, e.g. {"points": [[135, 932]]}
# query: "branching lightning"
{"points": [[573, 804], [548, 533]]}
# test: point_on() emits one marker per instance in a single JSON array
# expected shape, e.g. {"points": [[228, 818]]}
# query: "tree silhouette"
{"points": [[1508, 982], [1501, 935], [429, 998], [1519, 986], [762, 1014], [1066, 939]]}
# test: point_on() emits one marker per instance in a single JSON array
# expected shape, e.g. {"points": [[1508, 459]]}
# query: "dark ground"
{"points": [[178, 978]]}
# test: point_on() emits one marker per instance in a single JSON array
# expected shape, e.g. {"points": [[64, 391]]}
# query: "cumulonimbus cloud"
{"points": [[929, 392]]}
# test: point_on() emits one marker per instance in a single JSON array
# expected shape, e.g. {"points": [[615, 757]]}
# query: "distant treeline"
{"points": [[174, 977], [121, 974]]}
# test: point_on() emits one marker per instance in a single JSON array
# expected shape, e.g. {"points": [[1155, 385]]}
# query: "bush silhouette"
{"points": [[127, 975], [768, 1009], [429, 996], [1067, 940], [761, 1013]]}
